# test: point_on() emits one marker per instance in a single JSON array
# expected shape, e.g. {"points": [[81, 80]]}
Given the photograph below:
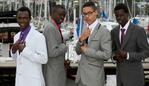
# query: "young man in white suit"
{"points": [[94, 45], [29, 51]]}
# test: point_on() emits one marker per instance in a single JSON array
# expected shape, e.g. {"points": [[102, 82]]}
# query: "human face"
{"points": [[23, 19], [89, 14], [59, 16], [121, 17]]}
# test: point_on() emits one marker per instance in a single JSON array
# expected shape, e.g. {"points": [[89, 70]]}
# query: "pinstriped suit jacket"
{"points": [[130, 72]]}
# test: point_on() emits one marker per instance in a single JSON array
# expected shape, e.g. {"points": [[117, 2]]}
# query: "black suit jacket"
{"points": [[130, 72]]}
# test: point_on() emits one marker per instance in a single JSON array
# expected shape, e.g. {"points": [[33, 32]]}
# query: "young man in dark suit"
{"points": [[130, 47]]}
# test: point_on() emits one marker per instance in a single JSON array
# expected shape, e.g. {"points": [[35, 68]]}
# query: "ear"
{"points": [[96, 12]]}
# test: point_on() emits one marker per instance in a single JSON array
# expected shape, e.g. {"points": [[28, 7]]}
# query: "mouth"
{"points": [[22, 25], [60, 21], [119, 21]]}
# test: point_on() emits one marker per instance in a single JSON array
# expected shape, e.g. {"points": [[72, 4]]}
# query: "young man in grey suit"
{"points": [[54, 70], [94, 45], [129, 49]]}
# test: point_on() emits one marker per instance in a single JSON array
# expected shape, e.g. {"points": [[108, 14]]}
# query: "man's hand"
{"points": [[120, 56], [21, 46], [83, 48], [85, 35], [67, 64], [18, 46], [15, 47]]}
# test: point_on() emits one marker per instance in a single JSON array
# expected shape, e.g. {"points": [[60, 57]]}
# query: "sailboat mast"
{"points": [[45, 9], [28, 3]]}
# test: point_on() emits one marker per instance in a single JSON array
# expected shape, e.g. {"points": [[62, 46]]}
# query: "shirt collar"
{"points": [[93, 25], [58, 25], [126, 26], [24, 33], [26, 29]]}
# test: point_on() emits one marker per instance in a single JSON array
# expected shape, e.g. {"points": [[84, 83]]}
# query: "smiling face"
{"points": [[121, 17], [58, 14], [121, 13], [23, 19]]}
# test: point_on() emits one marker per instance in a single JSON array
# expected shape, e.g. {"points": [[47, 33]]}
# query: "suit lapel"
{"points": [[117, 36], [57, 29], [127, 35], [95, 31]]}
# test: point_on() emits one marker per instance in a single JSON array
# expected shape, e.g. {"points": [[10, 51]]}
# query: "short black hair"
{"points": [[90, 4], [56, 7], [121, 6], [25, 9]]}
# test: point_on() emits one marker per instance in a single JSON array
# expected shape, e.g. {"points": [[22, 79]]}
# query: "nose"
{"points": [[118, 17], [62, 17]]}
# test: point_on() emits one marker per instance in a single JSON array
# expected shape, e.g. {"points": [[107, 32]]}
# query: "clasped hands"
{"points": [[83, 37], [120, 56], [18, 46]]}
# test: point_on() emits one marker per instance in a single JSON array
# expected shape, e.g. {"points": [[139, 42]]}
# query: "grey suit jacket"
{"points": [[91, 66], [54, 71], [130, 72]]}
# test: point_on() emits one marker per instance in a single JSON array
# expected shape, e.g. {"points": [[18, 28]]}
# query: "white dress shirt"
{"points": [[93, 25], [126, 28]]}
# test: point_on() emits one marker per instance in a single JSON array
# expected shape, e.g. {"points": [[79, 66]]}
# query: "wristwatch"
{"points": [[81, 43]]}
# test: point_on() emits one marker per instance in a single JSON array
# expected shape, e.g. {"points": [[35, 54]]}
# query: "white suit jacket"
{"points": [[30, 60]]}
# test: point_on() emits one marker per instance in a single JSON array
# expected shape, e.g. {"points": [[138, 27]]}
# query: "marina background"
{"points": [[41, 9]]}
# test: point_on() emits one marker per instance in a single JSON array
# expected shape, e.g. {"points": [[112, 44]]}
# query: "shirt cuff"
{"points": [[127, 56]]}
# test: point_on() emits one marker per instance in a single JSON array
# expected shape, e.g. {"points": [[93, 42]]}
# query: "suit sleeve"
{"points": [[142, 47], [105, 44], [14, 56], [55, 49], [39, 54], [77, 48], [113, 44]]}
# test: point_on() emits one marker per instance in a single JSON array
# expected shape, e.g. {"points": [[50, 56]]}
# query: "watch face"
{"points": [[81, 43]]}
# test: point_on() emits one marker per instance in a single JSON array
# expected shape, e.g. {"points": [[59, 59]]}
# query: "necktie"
{"points": [[122, 35], [61, 34], [24, 34], [86, 40], [59, 28]]}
